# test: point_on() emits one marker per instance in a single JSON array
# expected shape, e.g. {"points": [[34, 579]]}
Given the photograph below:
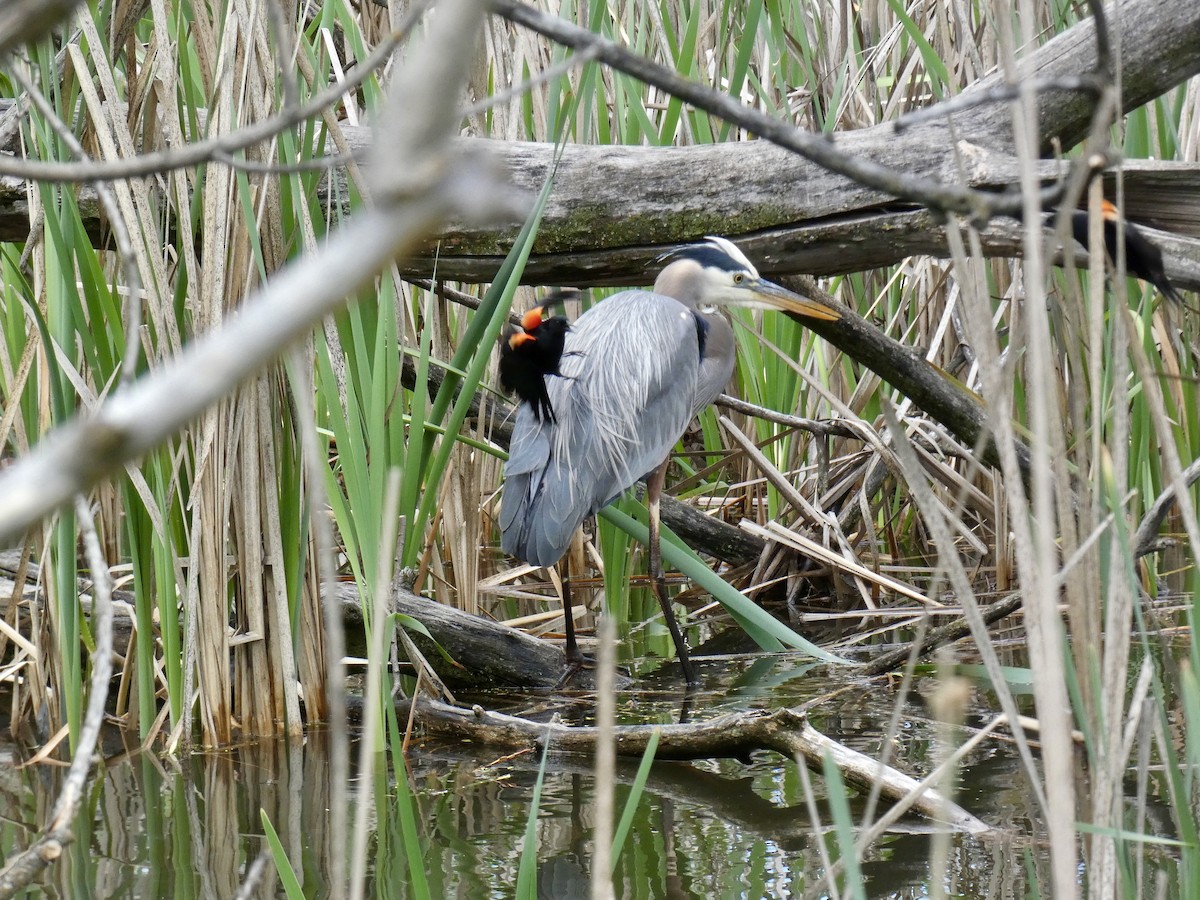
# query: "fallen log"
{"points": [[735, 735], [485, 654], [482, 654]]}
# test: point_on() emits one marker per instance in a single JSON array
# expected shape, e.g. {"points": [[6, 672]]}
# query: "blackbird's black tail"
{"points": [[1143, 258]]}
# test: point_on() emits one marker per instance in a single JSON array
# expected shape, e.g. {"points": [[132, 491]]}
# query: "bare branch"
{"points": [[786, 731], [941, 636], [26, 866], [818, 148], [822, 427], [223, 146], [417, 190]]}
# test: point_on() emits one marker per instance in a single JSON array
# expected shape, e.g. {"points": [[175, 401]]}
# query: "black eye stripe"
{"points": [[708, 256]]}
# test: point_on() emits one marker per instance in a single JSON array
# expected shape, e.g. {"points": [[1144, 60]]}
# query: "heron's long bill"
{"points": [[768, 295]]}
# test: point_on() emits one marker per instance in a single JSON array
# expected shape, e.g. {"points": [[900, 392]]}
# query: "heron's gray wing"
{"points": [[627, 393], [528, 457]]}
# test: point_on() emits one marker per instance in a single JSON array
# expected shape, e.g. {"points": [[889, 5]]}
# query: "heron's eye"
{"points": [[738, 277]]}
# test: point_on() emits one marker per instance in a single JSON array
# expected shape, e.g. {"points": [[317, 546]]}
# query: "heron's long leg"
{"points": [[570, 645], [654, 487]]}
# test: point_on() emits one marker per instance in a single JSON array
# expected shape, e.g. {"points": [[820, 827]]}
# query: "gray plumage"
{"points": [[637, 368], [620, 410]]}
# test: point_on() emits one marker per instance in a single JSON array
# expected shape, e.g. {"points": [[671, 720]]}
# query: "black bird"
{"points": [[1142, 258], [531, 352]]}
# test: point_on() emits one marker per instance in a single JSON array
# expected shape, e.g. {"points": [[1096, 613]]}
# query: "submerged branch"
{"points": [[941, 636]]}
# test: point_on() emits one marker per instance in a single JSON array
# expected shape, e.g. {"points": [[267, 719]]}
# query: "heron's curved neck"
{"points": [[682, 281], [717, 357]]}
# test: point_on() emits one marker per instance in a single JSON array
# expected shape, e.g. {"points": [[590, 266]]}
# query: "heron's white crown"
{"points": [[730, 249]]}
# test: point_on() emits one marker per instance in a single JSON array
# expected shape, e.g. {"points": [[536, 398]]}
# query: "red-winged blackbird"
{"points": [[529, 353], [1142, 258]]}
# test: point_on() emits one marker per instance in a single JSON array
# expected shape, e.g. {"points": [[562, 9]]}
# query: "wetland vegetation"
{"points": [[256, 259]]}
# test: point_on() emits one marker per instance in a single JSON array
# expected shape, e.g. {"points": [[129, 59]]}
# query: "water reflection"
{"points": [[725, 828]]}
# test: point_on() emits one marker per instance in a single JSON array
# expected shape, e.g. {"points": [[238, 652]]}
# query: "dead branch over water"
{"points": [[736, 735]]}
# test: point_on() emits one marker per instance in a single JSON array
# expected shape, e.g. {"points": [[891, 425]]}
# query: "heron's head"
{"points": [[716, 273]]}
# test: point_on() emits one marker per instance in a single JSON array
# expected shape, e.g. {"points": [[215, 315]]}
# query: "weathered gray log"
{"points": [[495, 655], [780, 240], [32, 592]]}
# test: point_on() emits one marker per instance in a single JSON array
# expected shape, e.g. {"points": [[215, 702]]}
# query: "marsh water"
{"points": [[192, 827]]}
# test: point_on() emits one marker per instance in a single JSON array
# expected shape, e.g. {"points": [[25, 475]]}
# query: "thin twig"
{"points": [[26, 866], [315, 164], [205, 151], [561, 67], [822, 427], [249, 886], [1084, 84]]}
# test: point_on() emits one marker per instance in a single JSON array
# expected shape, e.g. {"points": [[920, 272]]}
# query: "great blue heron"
{"points": [[1143, 259], [637, 368]]}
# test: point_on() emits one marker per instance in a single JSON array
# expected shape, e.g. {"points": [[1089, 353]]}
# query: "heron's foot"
{"points": [[576, 663]]}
